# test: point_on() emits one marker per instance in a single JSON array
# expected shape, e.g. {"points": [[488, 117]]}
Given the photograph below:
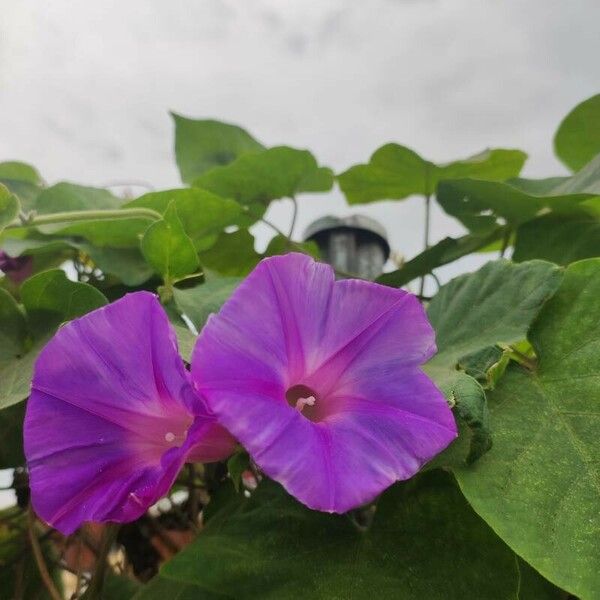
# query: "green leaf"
{"points": [[233, 255], [203, 144], [115, 233], [9, 207], [160, 588], [539, 488], [256, 178], [127, 264], [236, 465], [119, 587], [442, 253], [396, 172], [494, 305], [50, 299], [16, 374], [19, 171], [23, 180], [168, 249], [577, 140], [561, 239], [203, 214], [65, 196], [487, 365], [280, 244], [198, 302], [13, 328], [481, 205], [13, 388], [11, 433], [424, 542]]}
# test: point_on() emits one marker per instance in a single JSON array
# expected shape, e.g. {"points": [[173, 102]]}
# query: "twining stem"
{"points": [[39, 557], [94, 591], [86, 215], [505, 241], [193, 503], [294, 216], [79, 567], [426, 236]]}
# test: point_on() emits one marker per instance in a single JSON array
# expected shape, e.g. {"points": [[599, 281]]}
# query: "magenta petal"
{"points": [[365, 415], [112, 416]]}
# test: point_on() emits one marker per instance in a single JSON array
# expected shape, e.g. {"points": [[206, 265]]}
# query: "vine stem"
{"points": [[94, 590], [294, 216], [39, 557], [426, 236], [505, 242], [87, 215]]}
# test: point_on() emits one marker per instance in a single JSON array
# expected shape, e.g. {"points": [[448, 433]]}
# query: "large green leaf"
{"points": [[20, 171], [494, 305], [256, 178], [13, 328], [561, 239], [395, 172], [23, 180], [126, 264], [160, 588], [15, 376], [9, 207], [481, 205], [425, 542], [198, 302], [168, 248], [11, 434], [50, 298], [577, 140], [13, 335], [114, 233], [203, 144], [539, 488], [65, 196], [442, 253], [203, 214], [233, 255]]}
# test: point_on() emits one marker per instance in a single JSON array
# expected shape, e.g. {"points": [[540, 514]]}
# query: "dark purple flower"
{"points": [[18, 268], [320, 380], [112, 417]]}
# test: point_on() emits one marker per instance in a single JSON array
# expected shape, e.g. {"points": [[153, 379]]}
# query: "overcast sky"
{"points": [[85, 87]]}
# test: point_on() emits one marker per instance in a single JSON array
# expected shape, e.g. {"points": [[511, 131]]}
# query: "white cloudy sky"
{"points": [[85, 87]]}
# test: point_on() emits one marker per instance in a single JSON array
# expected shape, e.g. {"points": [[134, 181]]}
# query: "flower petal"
{"points": [[358, 346], [86, 468], [268, 327], [106, 428]]}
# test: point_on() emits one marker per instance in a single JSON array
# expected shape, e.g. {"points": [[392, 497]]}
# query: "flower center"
{"points": [[303, 399]]}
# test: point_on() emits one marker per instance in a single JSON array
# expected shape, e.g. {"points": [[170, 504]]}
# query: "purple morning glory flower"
{"points": [[17, 269], [112, 417], [320, 380]]}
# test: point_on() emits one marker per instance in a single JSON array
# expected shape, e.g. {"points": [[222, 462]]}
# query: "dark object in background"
{"points": [[356, 244]]}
